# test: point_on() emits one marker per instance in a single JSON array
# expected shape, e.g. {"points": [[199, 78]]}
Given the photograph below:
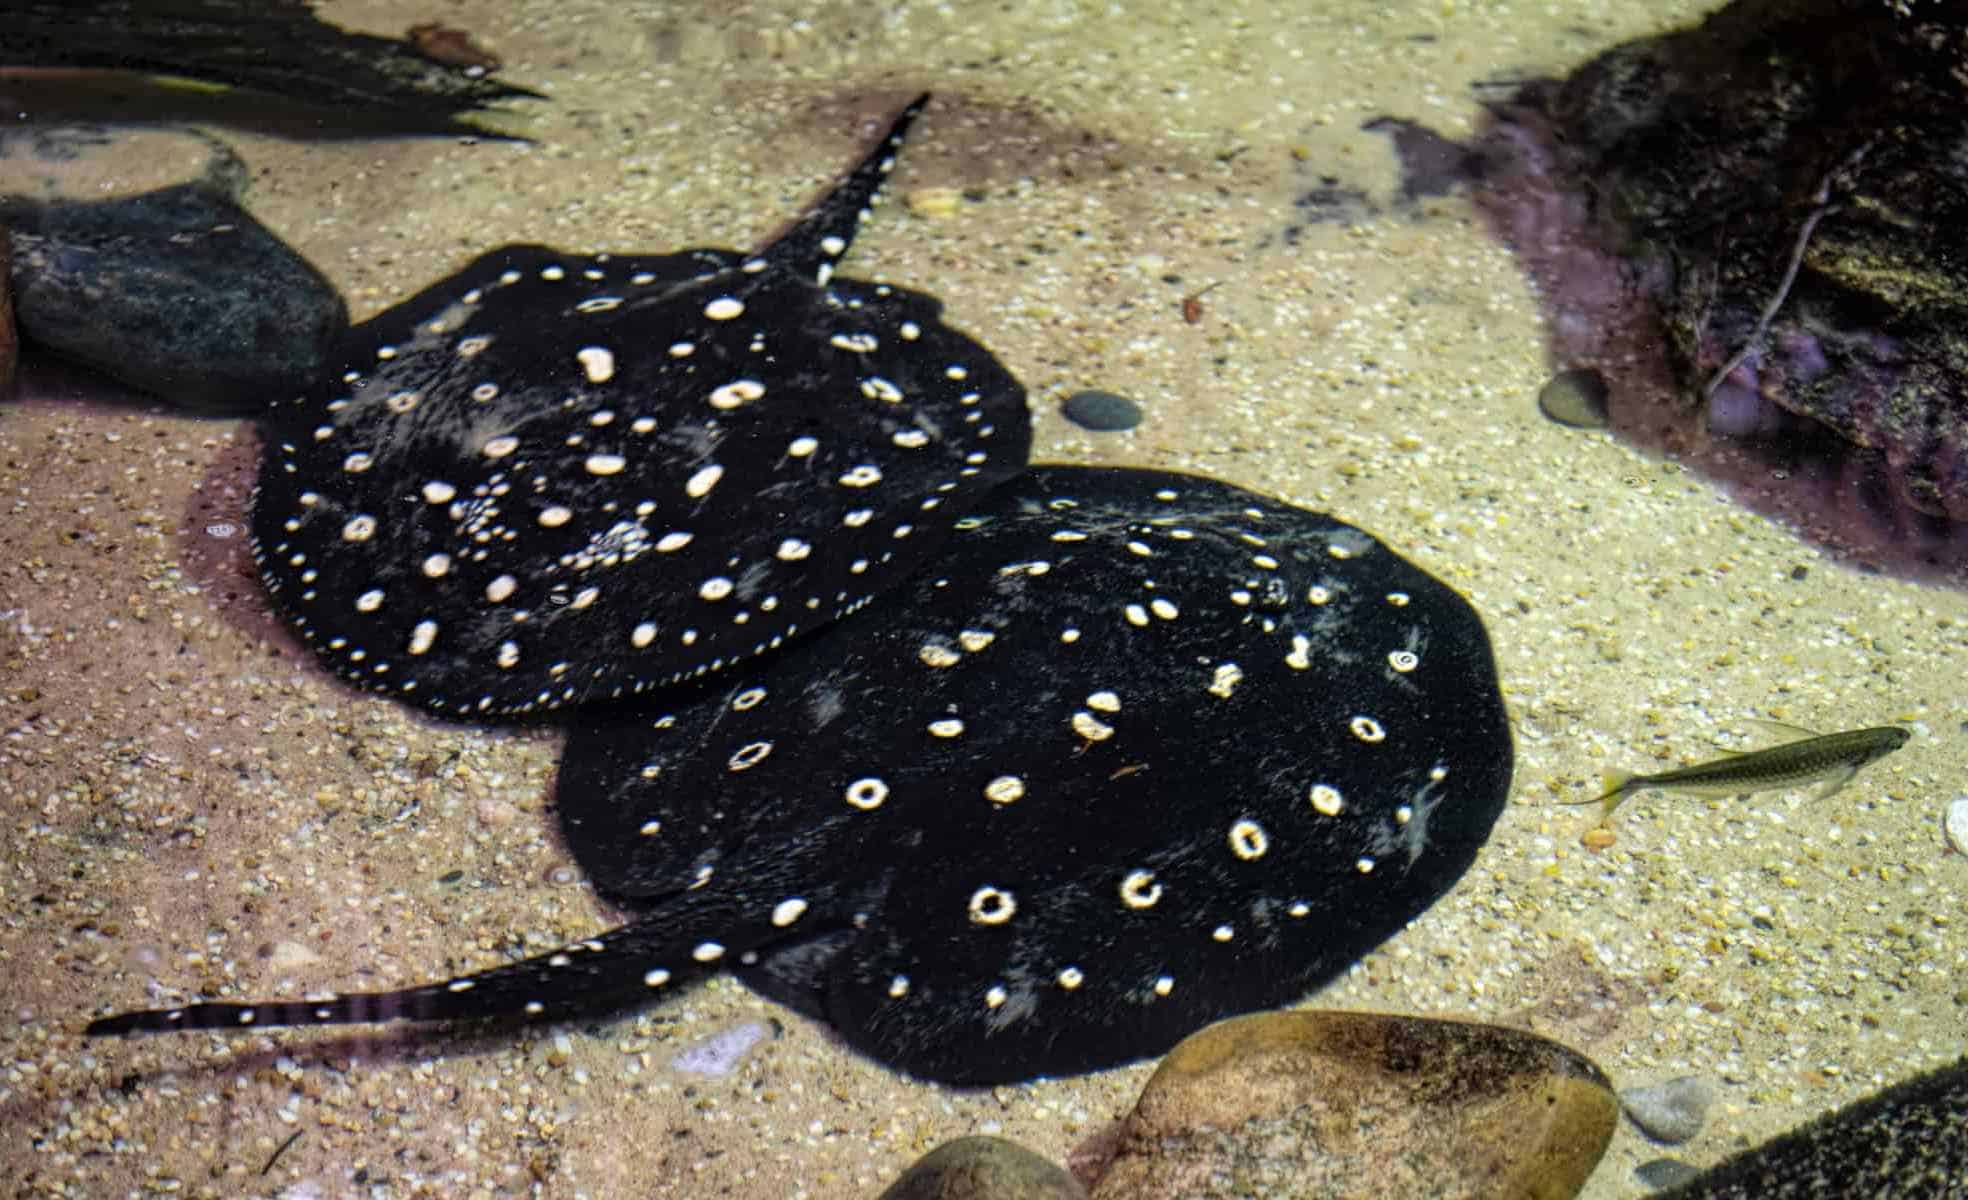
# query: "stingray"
{"points": [[1139, 751], [554, 478]]}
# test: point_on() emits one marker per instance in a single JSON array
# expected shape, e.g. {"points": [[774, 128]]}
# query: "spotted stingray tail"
{"points": [[818, 239], [604, 973]]}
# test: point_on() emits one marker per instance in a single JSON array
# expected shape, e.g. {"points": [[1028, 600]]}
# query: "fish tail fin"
{"points": [[1614, 785], [812, 245]]}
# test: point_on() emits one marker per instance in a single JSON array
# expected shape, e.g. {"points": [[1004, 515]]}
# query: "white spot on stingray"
{"points": [[948, 727], [1248, 840], [735, 393], [598, 362], [642, 635], [800, 447], [1403, 660], [358, 462], [898, 987], [724, 308], [1222, 933], [867, 794], [792, 550], [439, 492], [437, 566], [655, 978], [749, 755], [1326, 799], [1005, 789], [673, 541], [501, 446], [701, 483], [707, 952], [1106, 702], [605, 464], [861, 476], [1071, 977], [1367, 729], [1164, 985], [991, 906], [787, 911], [1139, 890], [1224, 680], [1090, 727], [876, 388], [501, 589], [1364, 866], [359, 528], [717, 587], [369, 601], [508, 655], [423, 636], [555, 515]]}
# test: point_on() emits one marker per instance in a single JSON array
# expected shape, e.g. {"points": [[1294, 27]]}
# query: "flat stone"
{"points": [[52, 163], [1910, 1140], [1340, 1104], [984, 1168], [178, 292], [1670, 1112], [1101, 412]]}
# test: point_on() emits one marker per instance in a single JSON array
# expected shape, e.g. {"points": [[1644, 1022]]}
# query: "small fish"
{"points": [[1831, 757]]}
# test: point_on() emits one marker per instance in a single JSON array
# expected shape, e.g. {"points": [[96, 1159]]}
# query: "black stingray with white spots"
{"points": [[555, 478], [1139, 751]]}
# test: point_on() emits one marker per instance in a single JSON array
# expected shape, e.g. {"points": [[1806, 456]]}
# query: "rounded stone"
{"points": [[1576, 398], [1670, 1112], [1343, 1104], [984, 1168], [1101, 412]]}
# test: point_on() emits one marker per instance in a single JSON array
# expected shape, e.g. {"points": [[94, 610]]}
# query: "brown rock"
{"points": [[1338, 1104], [984, 1168]]}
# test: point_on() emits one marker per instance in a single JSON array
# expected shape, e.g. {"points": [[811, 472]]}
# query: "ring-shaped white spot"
{"points": [[1248, 840], [867, 794], [1139, 890], [991, 906], [1326, 800], [1367, 729]]}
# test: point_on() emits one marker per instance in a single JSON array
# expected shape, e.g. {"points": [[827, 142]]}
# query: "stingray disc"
{"points": [[555, 478]]}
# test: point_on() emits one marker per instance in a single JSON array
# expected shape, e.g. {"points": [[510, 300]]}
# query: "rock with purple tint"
{"points": [[1752, 228]]}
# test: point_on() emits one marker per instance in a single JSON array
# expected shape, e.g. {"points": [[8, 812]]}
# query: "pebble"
{"points": [[1576, 398], [1362, 1104], [176, 291], [1955, 824], [721, 1053], [935, 201], [1670, 1112], [1101, 412], [984, 1168], [1663, 1173]]}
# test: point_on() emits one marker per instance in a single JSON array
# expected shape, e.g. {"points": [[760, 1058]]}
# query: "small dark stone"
{"points": [[1576, 398], [178, 292], [1101, 412], [1663, 1173], [984, 1168]]}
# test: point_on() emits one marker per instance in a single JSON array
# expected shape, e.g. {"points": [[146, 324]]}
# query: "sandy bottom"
{"points": [[187, 800]]}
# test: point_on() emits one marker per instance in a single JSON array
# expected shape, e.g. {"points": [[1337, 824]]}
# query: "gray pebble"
{"points": [[1102, 412], [1576, 398], [1661, 1174], [1669, 1112]]}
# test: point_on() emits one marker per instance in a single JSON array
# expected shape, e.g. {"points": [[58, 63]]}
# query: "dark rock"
{"points": [[1670, 1112], [1101, 412], [1908, 1141], [178, 292], [984, 1168], [1576, 398], [1752, 228], [1662, 1173], [1289, 1104]]}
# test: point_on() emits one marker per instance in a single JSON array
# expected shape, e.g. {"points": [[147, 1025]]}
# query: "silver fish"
{"points": [[1833, 758]]}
